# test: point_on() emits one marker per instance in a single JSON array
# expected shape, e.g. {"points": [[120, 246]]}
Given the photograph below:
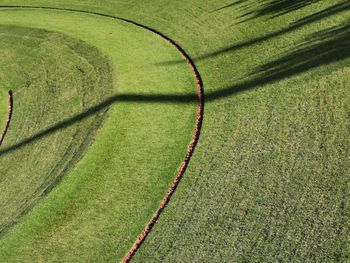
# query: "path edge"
{"points": [[9, 116]]}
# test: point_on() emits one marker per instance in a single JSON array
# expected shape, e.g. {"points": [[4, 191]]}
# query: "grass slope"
{"points": [[3, 107], [270, 179], [53, 77], [103, 203]]}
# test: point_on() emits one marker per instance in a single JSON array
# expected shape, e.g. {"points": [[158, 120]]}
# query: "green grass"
{"points": [[96, 209], [3, 108], [53, 77], [269, 181]]}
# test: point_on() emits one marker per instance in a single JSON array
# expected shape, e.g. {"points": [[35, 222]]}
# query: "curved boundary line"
{"points": [[9, 117], [195, 136]]}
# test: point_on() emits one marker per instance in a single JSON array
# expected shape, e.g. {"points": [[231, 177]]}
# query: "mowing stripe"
{"points": [[195, 137], [9, 116], [198, 124]]}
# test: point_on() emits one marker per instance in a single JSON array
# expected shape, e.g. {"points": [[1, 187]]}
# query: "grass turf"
{"points": [[40, 65], [3, 107], [97, 207], [270, 178]]}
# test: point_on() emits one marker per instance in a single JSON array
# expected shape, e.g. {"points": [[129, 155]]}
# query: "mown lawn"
{"points": [[269, 181], [95, 106], [3, 107]]}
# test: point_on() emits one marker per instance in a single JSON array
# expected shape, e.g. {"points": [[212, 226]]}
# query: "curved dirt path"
{"points": [[195, 136], [9, 116]]}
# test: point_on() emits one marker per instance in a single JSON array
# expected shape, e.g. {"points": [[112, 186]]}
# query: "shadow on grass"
{"points": [[275, 8], [158, 98], [272, 8], [327, 46], [228, 6], [318, 16]]}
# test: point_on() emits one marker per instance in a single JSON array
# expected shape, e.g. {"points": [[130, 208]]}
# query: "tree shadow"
{"points": [[275, 8], [318, 16], [239, 2], [140, 98], [321, 48], [272, 8]]}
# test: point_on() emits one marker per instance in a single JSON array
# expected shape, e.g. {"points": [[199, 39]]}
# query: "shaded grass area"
{"points": [[97, 208], [274, 8], [335, 9]]}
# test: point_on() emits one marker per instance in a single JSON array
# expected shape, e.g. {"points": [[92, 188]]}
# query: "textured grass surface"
{"points": [[3, 107], [270, 179], [53, 77], [101, 205]]}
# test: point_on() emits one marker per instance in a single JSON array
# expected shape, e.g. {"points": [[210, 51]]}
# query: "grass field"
{"points": [[104, 111], [134, 155], [3, 106]]}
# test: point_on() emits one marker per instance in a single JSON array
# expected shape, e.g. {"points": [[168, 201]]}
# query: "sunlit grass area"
{"points": [[269, 180], [94, 141]]}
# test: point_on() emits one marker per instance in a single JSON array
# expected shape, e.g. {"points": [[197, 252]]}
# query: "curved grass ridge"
{"points": [[196, 134], [195, 138], [9, 116], [43, 88]]}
